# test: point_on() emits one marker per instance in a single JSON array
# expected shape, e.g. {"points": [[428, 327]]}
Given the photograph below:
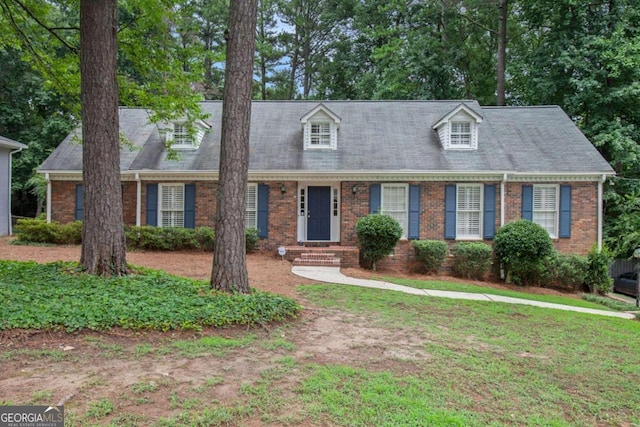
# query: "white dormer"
{"points": [[180, 136], [458, 130], [320, 129]]}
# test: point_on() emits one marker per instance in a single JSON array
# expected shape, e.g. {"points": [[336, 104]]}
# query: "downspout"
{"points": [[138, 199], [48, 181], [600, 208], [11, 153], [502, 194]]}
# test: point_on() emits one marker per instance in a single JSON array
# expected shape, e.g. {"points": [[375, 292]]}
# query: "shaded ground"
{"points": [[146, 374]]}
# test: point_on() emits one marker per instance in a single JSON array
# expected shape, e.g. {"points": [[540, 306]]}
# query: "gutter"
{"points": [[600, 209], [138, 198], [48, 181]]}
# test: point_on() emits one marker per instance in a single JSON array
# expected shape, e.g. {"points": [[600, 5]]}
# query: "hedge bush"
{"points": [[138, 237], [521, 247], [471, 260], [597, 279], [565, 271], [41, 231], [377, 236], [431, 253]]}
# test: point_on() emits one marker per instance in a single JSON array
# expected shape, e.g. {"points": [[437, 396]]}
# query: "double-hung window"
{"points": [[251, 207], [320, 134], [460, 135], [469, 211], [181, 136], [171, 210], [545, 208], [394, 202]]}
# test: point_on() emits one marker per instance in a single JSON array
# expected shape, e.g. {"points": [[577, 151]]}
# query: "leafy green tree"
{"points": [[29, 113]]}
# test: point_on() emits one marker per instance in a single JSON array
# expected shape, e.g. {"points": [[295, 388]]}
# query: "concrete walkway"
{"points": [[333, 275]]}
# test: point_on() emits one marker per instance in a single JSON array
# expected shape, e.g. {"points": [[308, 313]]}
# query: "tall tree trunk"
{"points": [[103, 241], [502, 51], [229, 259]]}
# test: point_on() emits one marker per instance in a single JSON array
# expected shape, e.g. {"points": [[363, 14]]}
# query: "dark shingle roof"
{"points": [[10, 144], [382, 136]]}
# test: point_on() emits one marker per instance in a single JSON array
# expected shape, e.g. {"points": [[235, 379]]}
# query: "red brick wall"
{"points": [[283, 213], [63, 201], [584, 214]]}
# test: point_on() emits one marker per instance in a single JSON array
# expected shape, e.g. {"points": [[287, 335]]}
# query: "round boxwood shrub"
{"points": [[471, 260], [377, 236], [431, 253], [521, 247]]}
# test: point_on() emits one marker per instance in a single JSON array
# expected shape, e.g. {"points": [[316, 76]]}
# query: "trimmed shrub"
{"points": [[41, 231], [565, 271], [431, 253], [521, 247], [597, 279], [472, 260], [251, 239], [36, 231], [377, 236], [169, 238]]}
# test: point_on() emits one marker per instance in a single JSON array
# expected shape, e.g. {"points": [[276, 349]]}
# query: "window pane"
{"points": [[251, 208], [468, 224], [172, 205], [320, 134], [394, 204], [545, 207], [469, 211], [461, 133]]}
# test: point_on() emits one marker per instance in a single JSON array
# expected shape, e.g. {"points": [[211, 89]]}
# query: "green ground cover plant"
{"points": [[59, 295]]}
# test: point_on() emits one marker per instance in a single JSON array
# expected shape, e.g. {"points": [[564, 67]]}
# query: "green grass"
{"points": [[487, 364], [476, 289], [59, 295], [476, 363]]}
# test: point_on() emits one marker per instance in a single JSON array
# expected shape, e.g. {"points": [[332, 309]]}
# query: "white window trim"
{"points": [[460, 236], [332, 135], [461, 134], [189, 140], [556, 210], [247, 210], [162, 188], [405, 228]]}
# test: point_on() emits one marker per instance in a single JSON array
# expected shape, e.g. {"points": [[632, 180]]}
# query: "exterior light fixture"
{"points": [[354, 190], [283, 189]]}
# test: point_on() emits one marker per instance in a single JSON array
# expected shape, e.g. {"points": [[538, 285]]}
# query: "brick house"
{"points": [[446, 170]]}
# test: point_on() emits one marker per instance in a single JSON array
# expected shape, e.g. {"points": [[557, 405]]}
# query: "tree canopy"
{"points": [[579, 54]]}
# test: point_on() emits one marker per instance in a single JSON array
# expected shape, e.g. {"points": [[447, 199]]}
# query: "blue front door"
{"points": [[319, 213]]}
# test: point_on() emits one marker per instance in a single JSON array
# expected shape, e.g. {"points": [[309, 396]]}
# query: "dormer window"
{"points": [[182, 136], [458, 130], [320, 129], [321, 134], [460, 134]]}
